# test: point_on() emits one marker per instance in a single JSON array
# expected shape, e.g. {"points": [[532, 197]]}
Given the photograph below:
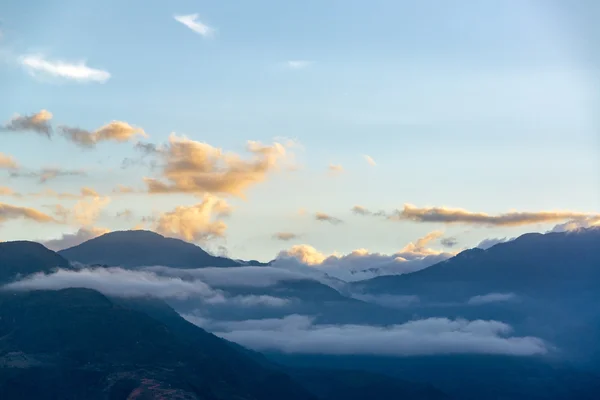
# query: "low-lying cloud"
{"points": [[300, 334], [73, 239], [492, 298]]}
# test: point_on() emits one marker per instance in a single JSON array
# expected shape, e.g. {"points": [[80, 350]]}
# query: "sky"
{"points": [[316, 127]]}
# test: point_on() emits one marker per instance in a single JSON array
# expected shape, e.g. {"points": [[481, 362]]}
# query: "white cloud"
{"points": [[299, 64], [233, 277], [192, 22], [77, 71], [361, 264], [119, 282], [492, 298], [73, 239], [299, 334]]}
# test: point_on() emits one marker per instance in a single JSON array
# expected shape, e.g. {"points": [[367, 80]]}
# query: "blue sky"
{"points": [[489, 107]]}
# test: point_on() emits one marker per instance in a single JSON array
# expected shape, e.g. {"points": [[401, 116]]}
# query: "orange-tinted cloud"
{"points": [[7, 162], [8, 211], [38, 122], [195, 223], [117, 131], [196, 167], [336, 168], [460, 216]]}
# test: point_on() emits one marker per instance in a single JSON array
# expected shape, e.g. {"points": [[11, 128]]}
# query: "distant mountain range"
{"points": [[78, 343]]}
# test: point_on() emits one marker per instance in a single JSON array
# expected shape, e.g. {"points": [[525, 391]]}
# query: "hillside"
{"points": [[23, 258]]}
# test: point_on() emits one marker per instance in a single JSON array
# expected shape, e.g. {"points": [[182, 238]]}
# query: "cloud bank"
{"points": [[299, 334]]}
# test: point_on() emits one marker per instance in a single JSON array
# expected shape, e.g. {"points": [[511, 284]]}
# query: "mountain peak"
{"points": [[139, 248], [21, 258]]}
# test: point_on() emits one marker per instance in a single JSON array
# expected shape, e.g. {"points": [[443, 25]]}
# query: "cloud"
{"points": [[38, 123], [299, 334], [319, 216], [257, 301], [8, 211], [6, 191], [125, 214], [460, 216], [336, 168], [360, 210], [195, 167], [118, 282], [285, 236], [7, 162], [73, 239], [449, 242], [575, 225], [388, 300], [492, 298], [122, 189], [46, 174], [76, 71], [370, 160], [84, 192], [117, 131], [86, 211], [243, 276], [192, 22], [195, 223], [361, 264], [299, 64], [487, 243]]}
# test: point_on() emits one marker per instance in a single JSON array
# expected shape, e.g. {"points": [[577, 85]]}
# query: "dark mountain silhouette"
{"points": [[131, 249], [23, 258], [99, 347], [534, 264]]}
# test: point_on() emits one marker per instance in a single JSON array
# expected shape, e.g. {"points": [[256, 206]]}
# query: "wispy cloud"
{"points": [[46, 174], [73, 239], [319, 216], [192, 22], [285, 236], [7, 162], [298, 64], [492, 298], [8, 211], [117, 131], [370, 160], [38, 122], [336, 168], [76, 71]]}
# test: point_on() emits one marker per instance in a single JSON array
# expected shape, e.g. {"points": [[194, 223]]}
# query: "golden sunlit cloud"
{"points": [[86, 211], [8, 211], [116, 131], [460, 216], [195, 223], [196, 167], [38, 123], [123, 189], [7, 162]]}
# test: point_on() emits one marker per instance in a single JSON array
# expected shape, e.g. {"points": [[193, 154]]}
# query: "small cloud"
{"points": [[7, 162], [125, 214], [298, 64], [370, 160], [122, 189], [68, 240], [319, 216], [336, 168], [492, 298], [8, 211], [46, 174], [76, 71], [117, 131], [285, 236], [449, 242], [38, 123], [192, 22], [487, 243]]}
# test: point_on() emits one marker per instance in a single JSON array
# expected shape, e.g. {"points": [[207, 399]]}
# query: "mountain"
{"points": [[79, 344], [534, 264], [23, 258], [131, 249]]}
